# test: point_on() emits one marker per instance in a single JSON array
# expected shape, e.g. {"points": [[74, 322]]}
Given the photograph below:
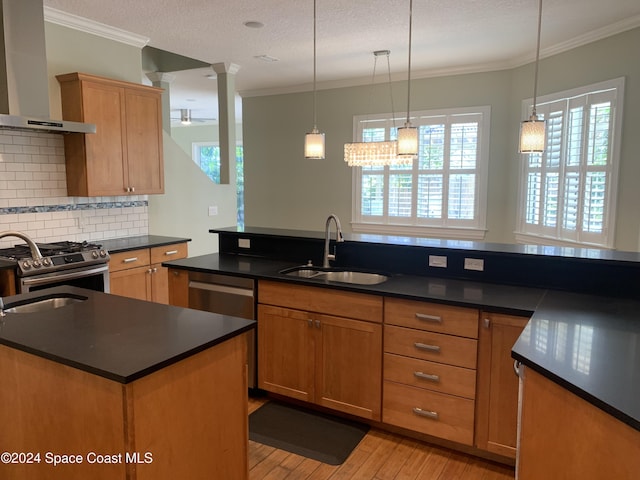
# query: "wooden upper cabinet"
{"points": [[125, 155]]}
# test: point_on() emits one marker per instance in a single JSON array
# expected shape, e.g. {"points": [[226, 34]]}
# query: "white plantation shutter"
{"points": [[568, 192], [443, 189]]}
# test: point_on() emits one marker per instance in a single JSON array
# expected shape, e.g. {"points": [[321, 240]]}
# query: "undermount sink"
{"points": [[43, 304], [336, 275]]}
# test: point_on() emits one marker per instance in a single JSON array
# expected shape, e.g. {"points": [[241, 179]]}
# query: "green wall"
{"points": [[283, 190]]}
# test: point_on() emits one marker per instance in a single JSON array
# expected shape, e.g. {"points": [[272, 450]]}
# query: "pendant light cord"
{"points": [[535, 75], [409, 67], [315, 128]]}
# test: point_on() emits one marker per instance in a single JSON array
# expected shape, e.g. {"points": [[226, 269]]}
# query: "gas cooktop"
{"points": [[56, 256]]}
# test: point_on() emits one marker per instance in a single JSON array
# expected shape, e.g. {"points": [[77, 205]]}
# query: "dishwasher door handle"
{"points": [[214, 287]]}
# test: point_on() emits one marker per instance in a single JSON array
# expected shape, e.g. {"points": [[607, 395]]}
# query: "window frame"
{"points": [[527, 233], [414, 226]]}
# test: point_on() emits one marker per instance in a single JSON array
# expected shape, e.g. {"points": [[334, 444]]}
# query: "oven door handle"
{"points": [[61, 276]]}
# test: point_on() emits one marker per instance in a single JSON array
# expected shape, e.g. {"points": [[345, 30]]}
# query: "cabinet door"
{"points": [[159, 284], [349, 366], [104, 106], [132, 283], [143, 159], [178, 286], [285, 352], [497, 391]]}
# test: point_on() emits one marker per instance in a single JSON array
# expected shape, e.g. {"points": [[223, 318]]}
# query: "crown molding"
{"points": [[75, 22], [508, 64], [581, 40]]}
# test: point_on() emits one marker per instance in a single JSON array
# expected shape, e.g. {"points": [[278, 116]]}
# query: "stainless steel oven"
{"points": [[43, 265], [93, 278]]}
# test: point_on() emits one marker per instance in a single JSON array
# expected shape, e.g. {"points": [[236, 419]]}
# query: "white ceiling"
{"points": [[449, 36]]}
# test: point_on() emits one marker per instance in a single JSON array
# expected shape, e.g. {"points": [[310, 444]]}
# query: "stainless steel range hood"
{"points": [[24, 88]]}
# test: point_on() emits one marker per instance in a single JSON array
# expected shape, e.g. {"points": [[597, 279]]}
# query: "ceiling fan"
{"points": [[186, 118]]}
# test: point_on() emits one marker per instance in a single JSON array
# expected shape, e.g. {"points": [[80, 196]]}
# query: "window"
{"points": [[567, 194], [443, 193], [207, 156]]}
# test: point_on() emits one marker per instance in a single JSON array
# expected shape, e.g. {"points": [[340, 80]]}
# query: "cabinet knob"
{"points": [[310, 322], [487, 322]]}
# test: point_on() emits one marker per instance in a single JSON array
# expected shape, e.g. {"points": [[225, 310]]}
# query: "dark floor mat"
{"points": [[325, 438]]}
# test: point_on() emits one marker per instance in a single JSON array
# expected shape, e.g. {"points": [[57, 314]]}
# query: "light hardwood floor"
{"points": [[379, 456]]}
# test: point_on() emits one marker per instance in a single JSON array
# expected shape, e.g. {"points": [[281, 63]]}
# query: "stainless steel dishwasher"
{"points": [[227, 295]]}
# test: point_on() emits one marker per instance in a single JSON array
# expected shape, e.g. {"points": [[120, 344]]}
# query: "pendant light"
{"points": [[314, 140], [374, 154], [533, 131], [408, 135]]}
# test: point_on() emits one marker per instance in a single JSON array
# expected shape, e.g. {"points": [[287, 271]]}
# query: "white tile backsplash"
{"points": [[33, 196]]}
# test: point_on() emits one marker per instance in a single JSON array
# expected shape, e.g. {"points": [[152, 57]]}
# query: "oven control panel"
{"points": [[30, 266]]}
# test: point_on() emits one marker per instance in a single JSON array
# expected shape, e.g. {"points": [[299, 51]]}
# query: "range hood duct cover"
{"points": [[24, 89]]}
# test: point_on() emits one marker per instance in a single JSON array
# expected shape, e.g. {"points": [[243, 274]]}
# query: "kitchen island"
{"points": [[109, 387]]}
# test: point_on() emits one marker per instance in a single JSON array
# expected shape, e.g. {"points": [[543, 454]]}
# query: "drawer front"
{"points": [[432, 316], [438, 414], [315, 299], [169, 252], [431, 346], [133, 258], [433, 376]]}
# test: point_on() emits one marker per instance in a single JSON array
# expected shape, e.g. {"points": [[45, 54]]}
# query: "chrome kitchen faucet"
{"points": [[339, 238]]}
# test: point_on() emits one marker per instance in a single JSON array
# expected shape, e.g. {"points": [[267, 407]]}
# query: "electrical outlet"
{"points": [[244, 243], [439, 261], [213, 210], [476, 264]]}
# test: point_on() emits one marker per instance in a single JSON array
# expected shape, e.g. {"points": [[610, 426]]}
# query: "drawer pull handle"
{"points": [[425, 413], [429, 318], [427, 376], [129, 260], [430, 348], [171, 252]]}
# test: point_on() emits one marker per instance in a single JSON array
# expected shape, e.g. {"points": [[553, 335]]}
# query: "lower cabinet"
{"points": [[430, 353], [562, 436], [497, 395], [328, 358], [140, 274]]}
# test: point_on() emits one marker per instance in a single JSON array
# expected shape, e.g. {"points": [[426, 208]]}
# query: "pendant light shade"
{"points": [[532, 135], [408, 135], [408, 141], [314, 140], [533, 131], [314, 145]]}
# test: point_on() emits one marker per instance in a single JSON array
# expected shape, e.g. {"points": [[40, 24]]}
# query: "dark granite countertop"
{"points": [[118, 338], [124, 244], [500, 298], [588, 344], [595, 254]]}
